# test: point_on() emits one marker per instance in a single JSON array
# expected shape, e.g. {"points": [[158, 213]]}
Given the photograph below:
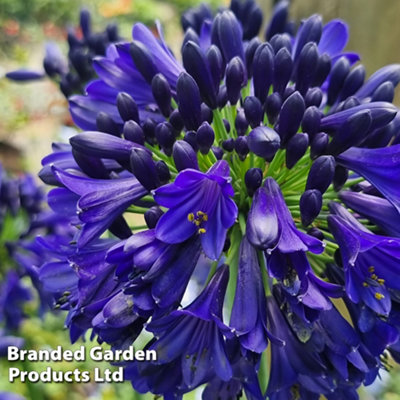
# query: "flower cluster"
{"points": [[267, 176], [73, 72], [22, 217]]}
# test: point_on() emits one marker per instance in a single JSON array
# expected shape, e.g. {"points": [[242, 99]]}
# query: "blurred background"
{"points": [[35, 114]]}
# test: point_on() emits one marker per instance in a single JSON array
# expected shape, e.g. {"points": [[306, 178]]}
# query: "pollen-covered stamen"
{"points": [[198, 219], [379, 296]]}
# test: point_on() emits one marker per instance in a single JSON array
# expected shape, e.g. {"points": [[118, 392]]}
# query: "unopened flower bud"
{"points": [[132, 131], [152, 215], [184, 156], [253, 179], [253, 111], [319, 144], [264, 142], [205, 137], [321, 173], [235, 79], [127, 107], [162, 93], [296, 149], [144, 169], [310, 206]]}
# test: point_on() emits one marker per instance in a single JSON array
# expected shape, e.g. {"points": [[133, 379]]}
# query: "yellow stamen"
{"points": [[374, 277], [379, 296], [201, 231], [365, 284], [381, 281], [190, 217], [371, 269]]}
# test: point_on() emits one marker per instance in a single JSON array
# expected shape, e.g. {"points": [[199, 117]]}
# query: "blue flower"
{"points": [[194, 335], [198, 203], [370, 261]]}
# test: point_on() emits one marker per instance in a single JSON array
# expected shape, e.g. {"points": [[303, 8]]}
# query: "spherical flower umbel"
{"points": [[242, 159]]}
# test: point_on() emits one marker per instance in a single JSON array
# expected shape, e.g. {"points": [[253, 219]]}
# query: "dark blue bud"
{"points": [[227, 125], [311, 121], [216, 65], [241, 123], [222, 97], [105, 123], [112, 33], [190, 36], [163, 172], [263, 70], [235, 79], [283, 67], [350, 103], [97, 42], [288, 92], [103, 145], [144, 168], [340, 177], [313, 97], [162, 93], [206, 113], [149, 130], [319, 144], [309, 31], [251, 19], [218, 152], [321, 173], [384, 92], [281, 41], [196, 65], [189, 101], [351, 133], [296, 148], [176, 120], [306, 67], [277, 23], [249, 55], [127, 107], [205, 137], [229, 34], [323, 69], [228, 144], [310, 206], [91, 166], [22, 75], [264, 142], [315, 232], [190, 137], [143, 60], [85, 22], [165, 136], [253, 110], [290, 117], [337, 77], [132, 131], [72, 40], [241, 147], [184, 156], [272, 107], [152, 215], [80, 61], [382, 136], [354, 80], [253, 179]]}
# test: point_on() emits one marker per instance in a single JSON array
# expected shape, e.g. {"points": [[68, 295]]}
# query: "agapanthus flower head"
{"points": [[233, 157]]}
